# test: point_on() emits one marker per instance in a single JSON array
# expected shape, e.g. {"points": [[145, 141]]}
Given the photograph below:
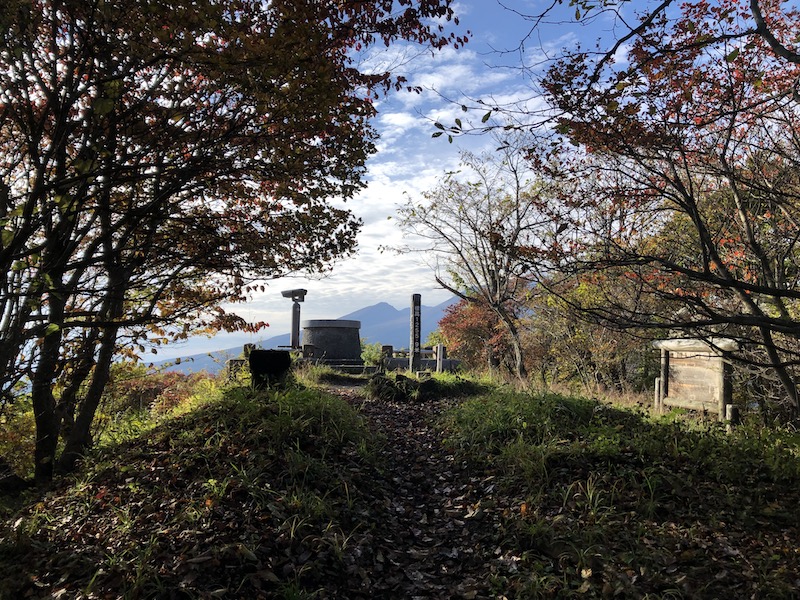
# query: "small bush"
{"points": [[396, 387], [18, 436], [134, 387], [371, 354]]}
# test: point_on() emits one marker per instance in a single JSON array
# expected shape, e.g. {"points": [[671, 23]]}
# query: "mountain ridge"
{"points": [[380, 323]]}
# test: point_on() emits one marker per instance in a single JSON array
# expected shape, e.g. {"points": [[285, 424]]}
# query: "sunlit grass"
{"points": [[281, 458], [602, 490]]}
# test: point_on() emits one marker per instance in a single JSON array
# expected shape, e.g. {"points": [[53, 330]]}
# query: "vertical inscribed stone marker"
{"points": [[416, 326]]}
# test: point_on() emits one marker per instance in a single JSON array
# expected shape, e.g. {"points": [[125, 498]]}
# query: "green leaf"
{"points": [[113, 88], [439, 126], [103, 106], [82, 167], [486, 117], [437, 134], [732, 55], [63, 201], [52, 328]]}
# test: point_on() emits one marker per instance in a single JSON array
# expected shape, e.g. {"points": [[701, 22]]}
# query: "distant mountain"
{"points": [[380, 323]]}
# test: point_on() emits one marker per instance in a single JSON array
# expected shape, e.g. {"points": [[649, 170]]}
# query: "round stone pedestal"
{"points": [[333, 339]]}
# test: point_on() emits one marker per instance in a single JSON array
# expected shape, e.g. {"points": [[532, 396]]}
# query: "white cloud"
{"points": [[395, 124], [409, 161]]}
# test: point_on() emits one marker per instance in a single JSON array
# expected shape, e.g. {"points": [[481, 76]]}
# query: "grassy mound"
{"points": [[611, 503], [231, 500], [281, 494]]}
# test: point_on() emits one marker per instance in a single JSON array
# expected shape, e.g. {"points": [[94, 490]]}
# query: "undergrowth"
{"points": [[399, 387], [614, 503], [236, 493], [196, 502]]}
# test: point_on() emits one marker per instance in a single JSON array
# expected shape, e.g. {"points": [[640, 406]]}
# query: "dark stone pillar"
{"points": [[416, 327]]}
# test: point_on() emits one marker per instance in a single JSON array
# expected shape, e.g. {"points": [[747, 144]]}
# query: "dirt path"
{"points": [[437, 530]]}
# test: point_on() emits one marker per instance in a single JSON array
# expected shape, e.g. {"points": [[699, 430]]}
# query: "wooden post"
{"points": [[387, 353], [657, 396], [664, 391], [726, 387], [441, 355], [234, 367], [416, 328]]}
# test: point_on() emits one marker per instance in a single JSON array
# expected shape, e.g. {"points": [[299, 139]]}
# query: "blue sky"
{"points": [[408, 161]]}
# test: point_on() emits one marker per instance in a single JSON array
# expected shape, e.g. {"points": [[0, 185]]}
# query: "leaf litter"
{"points": [[196, 511]]}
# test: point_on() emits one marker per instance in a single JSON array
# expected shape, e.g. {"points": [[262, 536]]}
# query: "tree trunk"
{"points": [[80, 435], [80, 438], [65, 408], [44, 406], [516, 345], [787, 381]]}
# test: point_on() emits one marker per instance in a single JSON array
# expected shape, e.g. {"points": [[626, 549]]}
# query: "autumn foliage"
{"points": [[475, 335], [158, 161], [679, 188]]}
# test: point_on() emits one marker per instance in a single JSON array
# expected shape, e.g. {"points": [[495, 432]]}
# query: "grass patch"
{"points": [[310, 374], [399, 387], [248, 494], [613, 503]]}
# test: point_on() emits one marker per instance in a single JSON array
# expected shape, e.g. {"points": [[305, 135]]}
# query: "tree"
{"points": [[767, 20], [475, 229], [565, 347], [157, 160], [475, 335], [685, 181]]}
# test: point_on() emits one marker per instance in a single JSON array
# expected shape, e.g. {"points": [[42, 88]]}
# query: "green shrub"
{"points": [[18, 436], [371, 353], [396, 387]]}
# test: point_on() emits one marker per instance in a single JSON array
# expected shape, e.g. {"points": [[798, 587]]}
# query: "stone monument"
{"points": [[333, 340]]}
